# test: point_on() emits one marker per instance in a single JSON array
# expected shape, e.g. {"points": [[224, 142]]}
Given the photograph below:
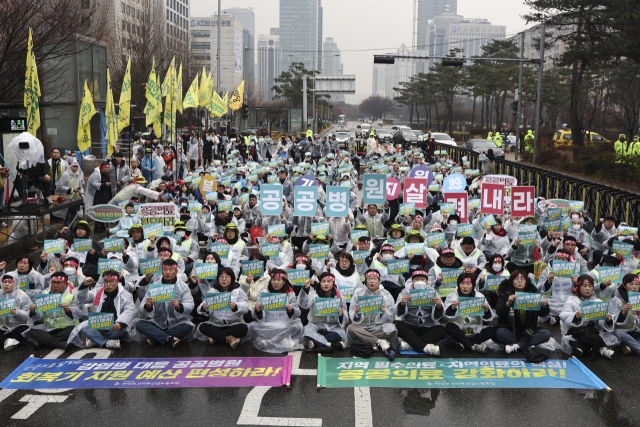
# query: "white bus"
{"points": [[342, 118]]}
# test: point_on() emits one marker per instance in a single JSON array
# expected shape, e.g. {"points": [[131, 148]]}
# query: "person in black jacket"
{"points": [[518, 329], [88, 260], [38, 176]]}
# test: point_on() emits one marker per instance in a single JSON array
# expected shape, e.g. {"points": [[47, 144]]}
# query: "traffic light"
{"points": [[384, 59], [514, 106], [452, 62], [245, 111]]}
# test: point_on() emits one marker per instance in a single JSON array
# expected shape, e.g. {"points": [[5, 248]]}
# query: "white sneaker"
{"points": [[511, 348], [89, 344], [606, 352], [310, 344], [4, 225], [479, 348], [114, 344], [10, 344], [553, 320], [383, 344], [431, 349], [404, 346]]}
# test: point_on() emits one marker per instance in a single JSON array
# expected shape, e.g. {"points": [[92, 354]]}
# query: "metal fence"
{"points": [[598, 199]]}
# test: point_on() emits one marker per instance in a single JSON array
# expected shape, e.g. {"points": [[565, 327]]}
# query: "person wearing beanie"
{"points": [[627, 320], [56, 326], [579, 335], [167, 323]]}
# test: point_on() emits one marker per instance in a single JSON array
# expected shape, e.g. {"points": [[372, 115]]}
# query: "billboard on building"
{"points": [[238, 48]]}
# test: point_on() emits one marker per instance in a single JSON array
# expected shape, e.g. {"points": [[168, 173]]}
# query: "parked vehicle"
{"points": [[443, 138], [564, 138], [482, 146], [405, 138]]}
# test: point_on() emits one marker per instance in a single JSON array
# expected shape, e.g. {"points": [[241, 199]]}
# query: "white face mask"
{"points": [[420, 284], [577, 226], [453, 222], [184, 204], [180, 233], [69, 270], [387, 257], [301, 267], [496, 267]]}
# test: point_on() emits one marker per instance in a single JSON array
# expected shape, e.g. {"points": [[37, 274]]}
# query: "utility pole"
{"points": [[315, 127], [304, 104], [539, 95], [218, 66], [518, 142]]}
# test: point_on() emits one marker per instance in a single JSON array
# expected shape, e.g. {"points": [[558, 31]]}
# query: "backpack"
{"points": [[536, 355], [361, 349]]}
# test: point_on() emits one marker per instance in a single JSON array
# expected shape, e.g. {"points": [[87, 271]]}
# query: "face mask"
{"points": [[576, 226], [227, 191], [496, 267], [180, 233], [420, 284], [453, 222], [387, 257], [69, 270], [301, 267], [184, 204]]}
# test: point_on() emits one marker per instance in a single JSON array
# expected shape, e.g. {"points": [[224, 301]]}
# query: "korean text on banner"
{"points": [[271, 200], [415, 191], [375, 188], [522, 201], [460, 200], [306, 201], [337, 202], [492, 199]]}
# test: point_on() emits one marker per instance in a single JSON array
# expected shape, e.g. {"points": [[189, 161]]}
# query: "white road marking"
{"points": [[362, 401], [34, 403], [4, 393], [251, 408], [100, 353], [295, 365]]}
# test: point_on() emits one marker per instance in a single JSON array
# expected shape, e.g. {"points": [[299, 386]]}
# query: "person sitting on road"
{"points": [[15, 324]]}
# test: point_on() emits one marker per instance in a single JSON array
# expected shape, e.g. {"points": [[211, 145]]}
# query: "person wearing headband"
{"points": [[393, 283], [519, 329], [569, 244], [580, 335], [627, 320], [345, 271], [332, 326], [559, 285], [364, 244], [376, 329], [419, 329], [13, 325], [253, 286], [167, 322], [447, 259], [225, 326], [57, 326], [496, 266], [468, 332], [285, 255], [165, 244], [111, 298], [276, 331]]}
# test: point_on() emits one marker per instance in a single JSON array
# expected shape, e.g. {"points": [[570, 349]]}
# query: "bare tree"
{"points": [[55, 26]]}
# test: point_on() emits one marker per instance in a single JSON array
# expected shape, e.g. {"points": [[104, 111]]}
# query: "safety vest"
{"points": [[461, 255], [58, 319], [379, 266], [498, 141], [183, 248], [237, 247]]}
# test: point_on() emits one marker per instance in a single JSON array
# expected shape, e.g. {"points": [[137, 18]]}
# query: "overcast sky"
{"points": [[387, 24]]}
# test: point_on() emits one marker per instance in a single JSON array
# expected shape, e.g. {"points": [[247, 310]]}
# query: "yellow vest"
{"points": [[58, 319]]}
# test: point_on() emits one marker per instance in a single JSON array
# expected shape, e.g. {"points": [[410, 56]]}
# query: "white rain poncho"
{"points": [[275, 331]]}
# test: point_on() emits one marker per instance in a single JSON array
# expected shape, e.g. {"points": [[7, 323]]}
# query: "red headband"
{"points": [[222, 241], [302, 258], [372, 274], [111, 277], [210, 256], [497, 259], [280, 275], [447, 252], [520, 276], [418, 218], [563, 255], [71, 263], [419, 273], [467, 279], [24, 260], [9, 279], [332, 278], [164, 252], [64, 279]]}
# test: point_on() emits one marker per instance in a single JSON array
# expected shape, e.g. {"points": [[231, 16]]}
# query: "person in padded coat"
{"points": [[119, 172], [469, 332], [518, 329], [627, 320]]}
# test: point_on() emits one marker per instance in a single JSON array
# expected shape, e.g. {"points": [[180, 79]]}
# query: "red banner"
{"points": [[415, 191], [461, 202], [492, 199], [523, 201]]}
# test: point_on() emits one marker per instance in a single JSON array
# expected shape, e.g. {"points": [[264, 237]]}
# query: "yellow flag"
{"points": [[124, 105], [157, 123], [151, 110], [110, 116], [169, 96], [218, 106], [32, 90], [204, 85], [179, 90], [236, 98], [191, 98], [166, 84], [87, 110]]}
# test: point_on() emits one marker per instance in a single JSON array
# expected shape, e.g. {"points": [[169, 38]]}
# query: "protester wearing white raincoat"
{"points": [[70, 185], [14, 326]]}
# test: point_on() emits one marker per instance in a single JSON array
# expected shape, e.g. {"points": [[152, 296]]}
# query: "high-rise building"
{"points": [[448, 32], [331, 57], [269, 59], [204, 48], [554, 49], [248, 20], [427, 10], [299, 32], [319, 62]]}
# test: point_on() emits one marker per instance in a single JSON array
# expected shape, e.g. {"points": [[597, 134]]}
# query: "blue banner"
{"points": [[305, 201], [375, 188], [271, 199], [337, 202]]}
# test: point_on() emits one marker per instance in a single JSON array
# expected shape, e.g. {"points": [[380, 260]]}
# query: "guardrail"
{"points": [[598, 199]]}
